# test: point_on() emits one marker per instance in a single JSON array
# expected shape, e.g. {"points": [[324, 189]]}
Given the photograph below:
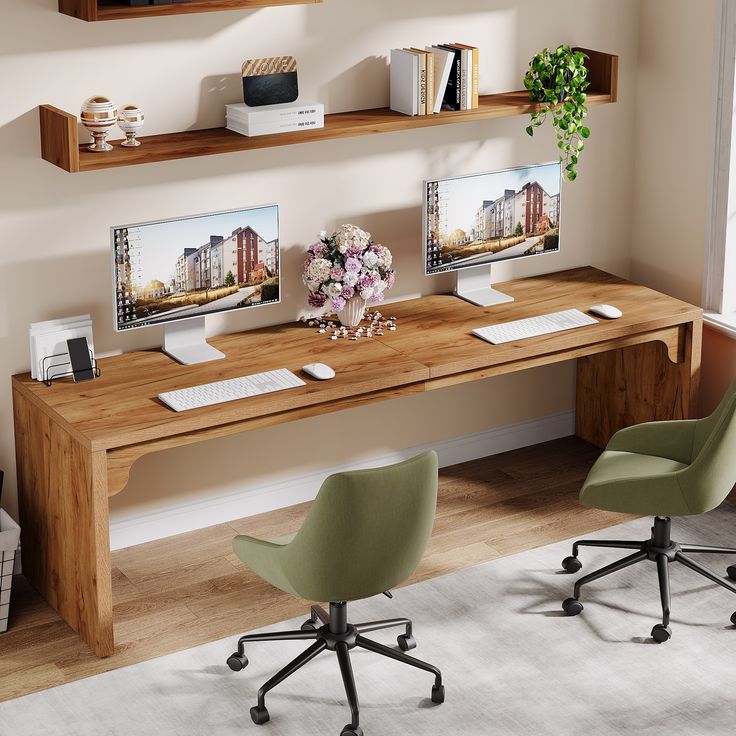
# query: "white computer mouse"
{"points": [[320, 371], [607, 311]]}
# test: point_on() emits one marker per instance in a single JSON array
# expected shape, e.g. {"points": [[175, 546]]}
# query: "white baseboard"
{"points": [[126, 531]]}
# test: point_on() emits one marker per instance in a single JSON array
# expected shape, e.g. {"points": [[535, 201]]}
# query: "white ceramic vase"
{"points": [[99, 115], [130, 121], [351, 315]]}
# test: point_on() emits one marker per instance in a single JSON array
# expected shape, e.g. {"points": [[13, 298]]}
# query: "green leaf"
{"points": [[585, 132], [530, 130]]}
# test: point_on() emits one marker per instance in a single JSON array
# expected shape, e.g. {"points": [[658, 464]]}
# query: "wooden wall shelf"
{"points": [[94, 10], [60, 143]]}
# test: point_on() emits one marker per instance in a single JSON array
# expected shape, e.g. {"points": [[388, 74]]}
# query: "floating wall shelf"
{"points": [[94, 10], [60, 143]]}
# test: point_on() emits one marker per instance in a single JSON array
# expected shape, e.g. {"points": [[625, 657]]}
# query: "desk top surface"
{"points": [[433, 339]]}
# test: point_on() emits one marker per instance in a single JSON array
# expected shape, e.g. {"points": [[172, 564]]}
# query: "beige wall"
{"points": [[718, 368], [674, 87], [54, 226]]}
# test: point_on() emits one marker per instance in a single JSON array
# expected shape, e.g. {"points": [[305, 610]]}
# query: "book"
{"points": [[268, 119], [429, 79], [404, 82], [443, 63], [452, 97], [474, 74], [421, 80]]}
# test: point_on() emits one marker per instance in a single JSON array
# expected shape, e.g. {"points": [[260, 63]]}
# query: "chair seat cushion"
{"points": [[635, 484]]}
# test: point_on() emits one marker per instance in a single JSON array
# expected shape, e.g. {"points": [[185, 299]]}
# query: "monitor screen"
{"points": [[193, 266], [483, 218]]}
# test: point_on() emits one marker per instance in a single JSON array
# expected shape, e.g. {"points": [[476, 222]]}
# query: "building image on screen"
{"points": [[484, 218], [194, 266]]}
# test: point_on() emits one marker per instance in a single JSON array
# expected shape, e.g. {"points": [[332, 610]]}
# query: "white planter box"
{"points": [[9, 539]]}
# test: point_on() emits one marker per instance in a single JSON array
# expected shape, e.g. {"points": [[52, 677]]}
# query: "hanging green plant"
{"points": [[558, 80]]}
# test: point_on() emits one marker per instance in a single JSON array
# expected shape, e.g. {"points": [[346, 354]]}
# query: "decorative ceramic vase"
{"points": [[130, 121], [351, 315], [99, 115]]}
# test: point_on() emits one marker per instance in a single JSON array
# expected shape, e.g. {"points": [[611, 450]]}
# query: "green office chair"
{"points": [[662, 469], [365, 534]]}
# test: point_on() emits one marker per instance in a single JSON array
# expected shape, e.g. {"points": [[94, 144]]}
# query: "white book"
{"points": [[422, 76], [404, 82], [306, 123], [443, 60], [273, 113], [466, 83]]}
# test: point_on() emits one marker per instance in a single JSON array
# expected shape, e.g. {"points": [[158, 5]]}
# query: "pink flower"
{"points": [[337, 273], [354, 251], [353, 265], [377, 298], [348, 292], [316, 300], [338, 303], [318, 249], [390, 278]]}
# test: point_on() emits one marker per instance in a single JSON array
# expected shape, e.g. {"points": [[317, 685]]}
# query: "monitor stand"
{"points": [[184, 341], [474, 285]]}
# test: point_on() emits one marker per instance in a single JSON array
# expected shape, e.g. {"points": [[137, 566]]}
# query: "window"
{"points": [[719, 287]]}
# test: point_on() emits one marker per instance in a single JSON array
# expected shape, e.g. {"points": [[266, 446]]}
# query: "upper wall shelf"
{"points": [[60, 143], [94, 10]]}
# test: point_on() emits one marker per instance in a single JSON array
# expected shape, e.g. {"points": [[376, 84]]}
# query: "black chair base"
{"points": [[337, 635], [658, 548]]}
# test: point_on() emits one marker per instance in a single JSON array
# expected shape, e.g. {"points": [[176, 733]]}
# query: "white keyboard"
{"points": [[230, 390], [544, 324]]}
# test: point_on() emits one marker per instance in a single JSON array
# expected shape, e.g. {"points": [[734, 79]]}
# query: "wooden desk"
{"points": [[75, 443]]}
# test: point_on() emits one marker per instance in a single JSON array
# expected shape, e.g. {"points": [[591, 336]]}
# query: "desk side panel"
{"points": [[64, 523]]}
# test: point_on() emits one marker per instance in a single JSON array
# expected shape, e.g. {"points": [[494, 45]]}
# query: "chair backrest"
{"points": [[712, 474], [366, 531]]}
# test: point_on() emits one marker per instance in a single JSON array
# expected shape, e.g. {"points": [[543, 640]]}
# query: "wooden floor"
{"points": [[190, 589]]}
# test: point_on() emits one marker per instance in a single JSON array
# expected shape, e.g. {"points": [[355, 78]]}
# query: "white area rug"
{"points": [[512, 664]]}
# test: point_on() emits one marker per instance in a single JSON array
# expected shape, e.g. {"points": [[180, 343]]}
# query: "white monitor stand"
{"points": [[474, 285], [185, 342]]}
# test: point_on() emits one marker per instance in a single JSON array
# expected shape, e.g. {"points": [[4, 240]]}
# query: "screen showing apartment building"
{"points": [[483, 218], [194, 266]]}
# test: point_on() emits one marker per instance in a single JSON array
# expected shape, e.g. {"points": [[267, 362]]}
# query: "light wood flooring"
{"points": [[190, 589]]}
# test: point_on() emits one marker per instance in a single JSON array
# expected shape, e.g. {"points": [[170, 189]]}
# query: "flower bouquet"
{"points": [[345, 271]]}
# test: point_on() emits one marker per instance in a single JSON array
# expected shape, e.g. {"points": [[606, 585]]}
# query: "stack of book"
{"points": [[268, 119], [427, 81]]}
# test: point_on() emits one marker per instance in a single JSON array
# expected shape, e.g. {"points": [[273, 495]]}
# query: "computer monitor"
{"points": [[474, 221], [174, 272]]}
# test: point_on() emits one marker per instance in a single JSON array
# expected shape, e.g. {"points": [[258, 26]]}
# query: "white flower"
{"points": [[380, 286], [385, 259], [366, 293], [319, 269], [350, 278], [347, 235], [322, 234], [334, 290], [370, 259]]}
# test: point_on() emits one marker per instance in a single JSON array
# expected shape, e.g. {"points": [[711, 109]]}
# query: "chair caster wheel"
{"points": [[731, 571], [406, 642], [259, 715], [733, 619], [572, 606], [309, 625], [438, 694], [661, 633], [237, 662], [351, 730], [571, 564]]}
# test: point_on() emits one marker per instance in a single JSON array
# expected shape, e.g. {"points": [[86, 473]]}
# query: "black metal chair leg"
{"points": [[319, 614], [295, 664], [703, 548], [607, 570], [276, 636], [704, 571], [364, 628], [663, 573], [613, 544], [374, 646], [346, 670]]}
